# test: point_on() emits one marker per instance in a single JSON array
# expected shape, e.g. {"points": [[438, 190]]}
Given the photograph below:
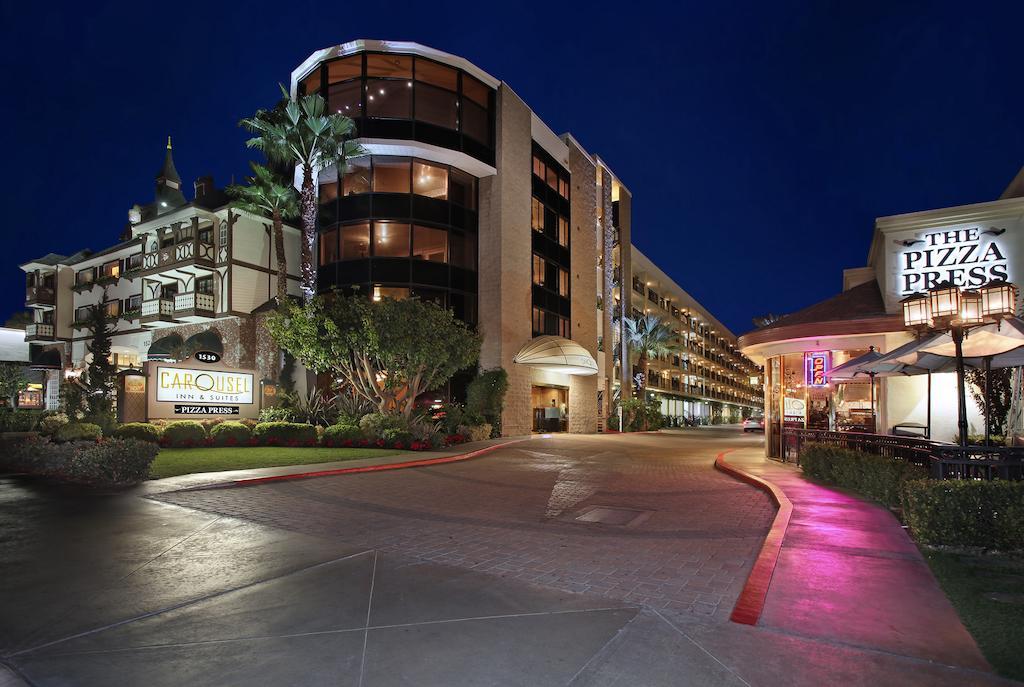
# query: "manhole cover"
{"points": [[610, 515]]}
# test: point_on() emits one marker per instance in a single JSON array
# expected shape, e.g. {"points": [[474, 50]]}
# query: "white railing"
{"points": [[39, 329], [193, 301], [157, 306]]}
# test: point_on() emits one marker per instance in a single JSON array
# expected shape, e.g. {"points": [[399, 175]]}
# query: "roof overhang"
{"points": [[557, 354]]}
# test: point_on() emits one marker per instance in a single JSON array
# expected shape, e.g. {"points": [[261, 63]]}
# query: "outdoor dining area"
{"points": [[972, 333]]}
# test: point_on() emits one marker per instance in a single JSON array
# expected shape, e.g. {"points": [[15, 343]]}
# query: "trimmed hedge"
{"points": [[183, 434], [965, 513], [230, 434], [77, 431], [342, 434], [110, 462], [875, 477], [284, 434], [143, 431]]}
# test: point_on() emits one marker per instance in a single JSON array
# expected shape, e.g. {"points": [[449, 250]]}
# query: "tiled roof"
{"points": [[859, 303]]}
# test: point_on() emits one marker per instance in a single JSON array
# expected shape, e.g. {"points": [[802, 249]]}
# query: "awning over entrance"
{"points": [[557, 354], [168, 348], [204, 341]]}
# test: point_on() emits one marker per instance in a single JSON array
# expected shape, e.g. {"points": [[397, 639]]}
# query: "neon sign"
{"points": [[817, 369]]}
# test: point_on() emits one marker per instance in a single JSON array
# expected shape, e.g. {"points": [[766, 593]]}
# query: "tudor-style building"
{"points": [[186, 274]]}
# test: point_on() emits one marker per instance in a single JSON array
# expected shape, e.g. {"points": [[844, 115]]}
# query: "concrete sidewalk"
{"points": [[849, 573]]}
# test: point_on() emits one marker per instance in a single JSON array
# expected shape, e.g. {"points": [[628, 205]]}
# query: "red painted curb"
{"points": [[422, 462], [749, 606]]}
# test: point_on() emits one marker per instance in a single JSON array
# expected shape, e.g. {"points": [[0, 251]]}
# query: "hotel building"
{"points": [[465, 198], [967, 245]]}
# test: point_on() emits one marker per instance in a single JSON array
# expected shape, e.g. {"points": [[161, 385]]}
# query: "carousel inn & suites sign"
{"points": [[184, 389], [968, 257]]}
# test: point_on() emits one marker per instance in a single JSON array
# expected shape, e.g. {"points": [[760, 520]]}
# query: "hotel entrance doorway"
{"points": [[550, 408]]}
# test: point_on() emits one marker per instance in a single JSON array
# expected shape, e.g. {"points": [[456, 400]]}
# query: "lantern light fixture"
{"points": [[970, 308], [998, 299], [945, 300], [917, 310]]}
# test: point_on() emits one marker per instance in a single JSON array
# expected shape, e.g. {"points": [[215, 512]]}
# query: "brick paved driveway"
{"points": [[514, 514]]}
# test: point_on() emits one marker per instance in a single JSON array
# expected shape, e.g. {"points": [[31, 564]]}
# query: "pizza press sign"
{"points": [[967, 257]]}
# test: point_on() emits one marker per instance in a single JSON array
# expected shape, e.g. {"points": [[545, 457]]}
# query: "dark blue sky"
{"points": [[759, 139]]}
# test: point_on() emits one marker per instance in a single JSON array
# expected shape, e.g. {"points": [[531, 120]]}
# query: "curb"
{"points": [[422, 462], [750, 604]]}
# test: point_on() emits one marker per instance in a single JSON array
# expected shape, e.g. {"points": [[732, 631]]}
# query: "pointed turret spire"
{"points": [[168, 184]]}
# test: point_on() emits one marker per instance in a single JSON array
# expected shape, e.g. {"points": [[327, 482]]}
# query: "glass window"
{"points": [[391, 66], [430, 244], [357, 176], [563, 231], [563, 327], [475, 90], [396, 292], [328, 190], [538, 270], [563, 283], [475, 123], [437, 74], [430, 180], [134, 302], [538, 167], [436, 106], [329, 247], [85, 276], [463, 250], [462, 189], [390, 240], [344, 69], [550, 275], [311, 84], [388, 99], [112, 269], [536, 215], [391, 175], [112, 308], [204, 285], [538, 321], [83, 313], [355, 241], [552, 178], [345, 98], [563, 187]]}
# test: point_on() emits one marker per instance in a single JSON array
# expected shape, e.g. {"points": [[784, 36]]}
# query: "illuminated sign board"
{"points": [[968, 257], [817, 369], [187, 386]]}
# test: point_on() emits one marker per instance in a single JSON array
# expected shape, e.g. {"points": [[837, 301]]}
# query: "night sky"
{"points": [[759, 140]]}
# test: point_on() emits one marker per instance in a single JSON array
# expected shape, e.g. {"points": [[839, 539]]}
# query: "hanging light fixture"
{"points": [[917, 310], [945, 300], [998, 299], [970, 308]]}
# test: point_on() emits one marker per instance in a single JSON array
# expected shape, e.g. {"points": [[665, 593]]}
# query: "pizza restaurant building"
{"points": [[968, 246]]}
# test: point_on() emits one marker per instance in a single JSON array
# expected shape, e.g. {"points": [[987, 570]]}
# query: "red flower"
{"points": [[346, 442], [399, 445], [380, 442], [231, 441]]}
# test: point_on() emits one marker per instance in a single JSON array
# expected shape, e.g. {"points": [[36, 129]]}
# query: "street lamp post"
{"points": [[947, 308]]}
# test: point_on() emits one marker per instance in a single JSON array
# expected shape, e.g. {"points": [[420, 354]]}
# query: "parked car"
{"points": [[754, 423]]}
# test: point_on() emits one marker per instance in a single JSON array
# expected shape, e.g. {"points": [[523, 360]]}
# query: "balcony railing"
{"points": [[182, 305], [39, 295], [193, 301], [186, 252], [38, 331], [157, 307]]}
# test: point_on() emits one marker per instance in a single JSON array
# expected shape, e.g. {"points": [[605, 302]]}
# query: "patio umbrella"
{"points": [[982, 342], [895, 364]]}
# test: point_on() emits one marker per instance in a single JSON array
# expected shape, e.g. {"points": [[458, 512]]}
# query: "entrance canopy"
{"points": [[557, 354], [167, 348]]}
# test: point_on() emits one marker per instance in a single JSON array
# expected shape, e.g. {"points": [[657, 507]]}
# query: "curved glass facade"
{"points": [[401, 226], [409, 97]]}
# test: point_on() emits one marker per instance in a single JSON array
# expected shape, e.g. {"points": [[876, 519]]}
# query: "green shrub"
{"points": [[965, 513], [277, 414], [183, 434], [51, 423], [19, 420], [485, 396], [397, 438], [143, 431], [230, 434], [342, 434], [113, 462], [106, 421], [476, 432], [78, 431], [375, 424], [284, 434], [876, 477], [639, 415]]}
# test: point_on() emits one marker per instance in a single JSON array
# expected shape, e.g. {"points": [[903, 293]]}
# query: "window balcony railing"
{"points": [[38, 331], [40, 295], [189, 251], [193, 301]]}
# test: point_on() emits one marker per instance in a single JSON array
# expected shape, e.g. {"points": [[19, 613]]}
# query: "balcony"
{"points": [[182, 308], [40, 295], [183, 255], [37, 331]]}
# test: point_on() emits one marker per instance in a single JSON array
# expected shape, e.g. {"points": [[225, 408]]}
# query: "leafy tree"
{"points": [[99, 383], [12, 381], [300, 131], [266, 195], [19, 320], [649, 337], [388, 351], [999, 395], [485, 396]]}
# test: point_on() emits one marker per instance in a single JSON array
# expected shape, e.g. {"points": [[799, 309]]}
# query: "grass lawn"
{"points": [[182, 461], [969, 581]]}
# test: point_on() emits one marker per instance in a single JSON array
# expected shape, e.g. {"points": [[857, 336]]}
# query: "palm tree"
{"points": [[649, 337], [300, 131], [266, 195]]}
